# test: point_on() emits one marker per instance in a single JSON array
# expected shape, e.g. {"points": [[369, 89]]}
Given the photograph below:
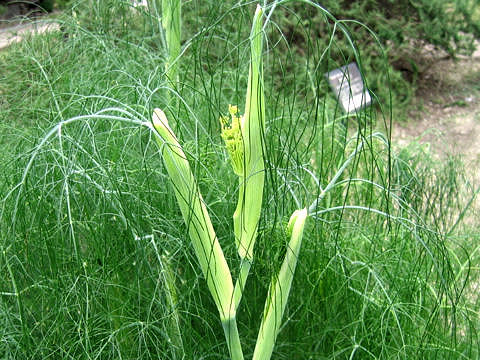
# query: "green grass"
{"points": [[95, 260]]}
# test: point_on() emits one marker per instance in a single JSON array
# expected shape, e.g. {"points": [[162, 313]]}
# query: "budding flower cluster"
{"points": [[233, 138]]}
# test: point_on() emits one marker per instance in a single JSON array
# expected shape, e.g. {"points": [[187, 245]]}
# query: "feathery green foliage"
{"points": [[97, 263]]}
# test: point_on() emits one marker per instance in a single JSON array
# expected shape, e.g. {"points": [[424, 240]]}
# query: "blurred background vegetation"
{"points": [[413, 35]]}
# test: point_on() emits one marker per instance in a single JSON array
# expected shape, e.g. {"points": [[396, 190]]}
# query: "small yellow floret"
{"points": [[232, 136], [233, 109]]}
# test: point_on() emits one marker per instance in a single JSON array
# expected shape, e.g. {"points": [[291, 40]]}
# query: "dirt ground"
{"points": [[18, 32], [447, 117], [447, 113]]}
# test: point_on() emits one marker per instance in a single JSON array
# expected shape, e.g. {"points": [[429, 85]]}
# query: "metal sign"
{"points": [[347, 84]]}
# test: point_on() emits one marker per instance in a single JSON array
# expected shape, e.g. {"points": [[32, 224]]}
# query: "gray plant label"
{"points": [[347, 84]]}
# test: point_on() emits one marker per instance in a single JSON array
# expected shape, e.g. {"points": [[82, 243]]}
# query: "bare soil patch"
{"points": [[20, 19], [447, 118], [17, 33], [447, 112]]}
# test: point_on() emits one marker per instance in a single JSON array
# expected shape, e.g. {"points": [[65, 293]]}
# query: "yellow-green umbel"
{"points": [[233, 138]]}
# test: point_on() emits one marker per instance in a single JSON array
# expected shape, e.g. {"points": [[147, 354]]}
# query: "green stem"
{"points": [[173, 321], [194, 211], [333, 182], [233, 338], [241, 281], [17, 297], [280, 286], [171, 21]]}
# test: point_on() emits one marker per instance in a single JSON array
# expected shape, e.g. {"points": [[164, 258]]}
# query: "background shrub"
{"points": [[412, 34]]}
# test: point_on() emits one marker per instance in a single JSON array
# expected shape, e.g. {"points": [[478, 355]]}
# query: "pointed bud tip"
{"points": [[258, 11], [297, 214], [159, 118]]}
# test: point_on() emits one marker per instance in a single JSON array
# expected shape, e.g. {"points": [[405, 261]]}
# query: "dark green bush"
{"points": [[62, 4], [404, 23], [411, 33], [47, 5]]}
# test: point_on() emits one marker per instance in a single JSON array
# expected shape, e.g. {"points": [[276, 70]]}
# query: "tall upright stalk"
{"points": [[243, 136], [172, 25], [247, 213], [245, 144]]}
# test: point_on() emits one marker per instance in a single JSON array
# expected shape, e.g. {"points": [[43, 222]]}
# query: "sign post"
{"points": [[347, 84]]}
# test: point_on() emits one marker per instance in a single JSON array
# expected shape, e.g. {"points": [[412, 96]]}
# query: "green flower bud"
{"points": [[233, 138]]}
